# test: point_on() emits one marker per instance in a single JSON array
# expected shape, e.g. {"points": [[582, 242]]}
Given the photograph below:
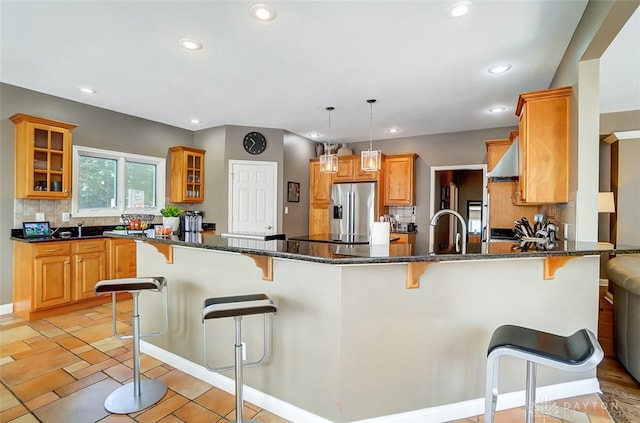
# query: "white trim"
{"points": [[622, 135], [6, 308], [441, 413], [121, 160]]}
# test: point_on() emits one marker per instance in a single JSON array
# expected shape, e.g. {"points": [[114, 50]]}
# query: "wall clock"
{"points": [[254, 143]]}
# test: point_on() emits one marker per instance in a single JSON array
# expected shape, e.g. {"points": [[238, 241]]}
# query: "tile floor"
{"points": [[60, 369]]}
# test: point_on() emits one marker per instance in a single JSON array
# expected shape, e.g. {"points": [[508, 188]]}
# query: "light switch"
{"points": [[286, 210], [40, 217]]}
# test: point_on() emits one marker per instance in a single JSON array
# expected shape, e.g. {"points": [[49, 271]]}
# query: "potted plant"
{"points": [[171, 216]]}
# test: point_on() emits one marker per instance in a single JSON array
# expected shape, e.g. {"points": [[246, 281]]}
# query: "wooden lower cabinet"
{"points": [[52, 281], [57, 277], [319, 219], [121, 256], [502, 210], [405, 238], [89, 266]]}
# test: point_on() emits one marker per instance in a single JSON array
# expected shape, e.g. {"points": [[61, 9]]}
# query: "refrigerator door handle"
{"points": [[352, 212]]}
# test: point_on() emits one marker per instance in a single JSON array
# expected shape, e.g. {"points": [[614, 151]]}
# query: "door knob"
{"points": [[268, 227]]}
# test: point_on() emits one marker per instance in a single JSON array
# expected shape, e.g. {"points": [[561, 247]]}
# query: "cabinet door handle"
{"points": [[67, 262], [79, 260], [51, 250], [90, 246]]}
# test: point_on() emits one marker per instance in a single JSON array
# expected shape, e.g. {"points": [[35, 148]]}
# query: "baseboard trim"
{"points": [[6, 309], [442, 413]]}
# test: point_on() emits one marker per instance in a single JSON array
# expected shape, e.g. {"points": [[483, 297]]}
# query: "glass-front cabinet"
{"points": [[43, 157], [187, 174]]}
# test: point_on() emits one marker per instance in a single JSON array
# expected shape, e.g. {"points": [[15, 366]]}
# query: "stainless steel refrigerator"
{"points": [[353, 208]]}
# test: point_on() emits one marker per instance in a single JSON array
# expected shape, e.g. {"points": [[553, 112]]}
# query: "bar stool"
{"points": [[236, 307], [137, 395], [575, 353]]}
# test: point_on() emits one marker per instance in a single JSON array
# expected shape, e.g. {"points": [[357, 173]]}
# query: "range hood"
{"points": [[507, 168]]}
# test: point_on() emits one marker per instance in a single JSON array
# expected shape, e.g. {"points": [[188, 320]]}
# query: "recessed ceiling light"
{"points": [[189, 44], [314, 135], [87, 90], [459, 9], [393, 130], [263, 12], [500, 68], [497, 109], [196, 121]]}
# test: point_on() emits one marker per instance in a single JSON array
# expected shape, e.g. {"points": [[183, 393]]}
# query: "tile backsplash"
{"points": [[405, 214], [24, 210]]}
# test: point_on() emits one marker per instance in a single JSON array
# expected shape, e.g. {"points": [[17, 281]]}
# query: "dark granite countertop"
{"points": [[88, 232], [362, 253], [338, 239]]}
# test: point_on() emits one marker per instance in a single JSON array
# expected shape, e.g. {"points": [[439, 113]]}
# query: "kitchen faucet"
{"points": [[439, 213], [80, 228]]}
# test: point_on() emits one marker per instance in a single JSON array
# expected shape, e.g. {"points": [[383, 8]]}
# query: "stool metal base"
{"points": [[123, 400]]}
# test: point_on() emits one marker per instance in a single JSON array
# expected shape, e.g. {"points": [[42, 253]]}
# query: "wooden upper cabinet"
{"points": [[320, 184], [42, 157], [187, 174], [346, 170], [350, 170], [399, 180], [544, 146]]}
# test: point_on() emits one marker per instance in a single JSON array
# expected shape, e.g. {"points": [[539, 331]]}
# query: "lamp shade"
{"points": [[606, 203], [370, 160], [329, 163]]}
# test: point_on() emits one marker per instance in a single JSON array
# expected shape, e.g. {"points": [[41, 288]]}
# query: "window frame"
{"points": [[121, 186]]}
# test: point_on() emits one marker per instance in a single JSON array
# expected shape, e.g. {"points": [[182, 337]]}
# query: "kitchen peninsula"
{"points": [[353, 339]]}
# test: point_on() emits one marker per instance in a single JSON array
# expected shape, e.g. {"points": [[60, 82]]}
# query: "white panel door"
{"points": [[253, 197]]}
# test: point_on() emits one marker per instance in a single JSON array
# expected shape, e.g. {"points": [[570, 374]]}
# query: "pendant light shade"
{"points": [[328, 161], [370, 159]]}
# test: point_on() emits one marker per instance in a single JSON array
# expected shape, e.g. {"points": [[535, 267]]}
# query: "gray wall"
{"points": [[97, 127], [297, 151], [292, 153], [579, 69], [105, 129]]}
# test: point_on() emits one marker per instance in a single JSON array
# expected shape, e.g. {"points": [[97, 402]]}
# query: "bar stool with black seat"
{"points": [[237, 307], [137, 395], [575, 353]]}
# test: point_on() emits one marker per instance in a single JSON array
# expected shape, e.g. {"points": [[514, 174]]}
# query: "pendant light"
{"points": [[370, 159], [328, 161]]}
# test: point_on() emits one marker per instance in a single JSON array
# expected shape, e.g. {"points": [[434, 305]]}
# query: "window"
{"points": [[110, 183]]}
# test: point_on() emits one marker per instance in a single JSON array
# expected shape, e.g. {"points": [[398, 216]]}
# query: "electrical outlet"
{"points": [[40, 217], [65, 217]]}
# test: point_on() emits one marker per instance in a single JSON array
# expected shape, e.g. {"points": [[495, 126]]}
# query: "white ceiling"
{"points": [[428, 71]]}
